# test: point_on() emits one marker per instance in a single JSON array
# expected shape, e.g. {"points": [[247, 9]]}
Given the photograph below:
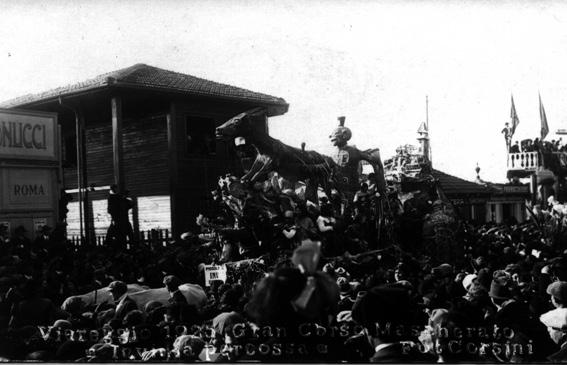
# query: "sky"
{"points": [[371, 61]]}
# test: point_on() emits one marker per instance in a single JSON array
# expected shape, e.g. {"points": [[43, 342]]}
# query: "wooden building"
{"points": [[484, 202], [151, 132]]}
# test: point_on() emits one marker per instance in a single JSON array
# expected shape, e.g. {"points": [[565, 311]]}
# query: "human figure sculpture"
{"points": [[347, 158]]}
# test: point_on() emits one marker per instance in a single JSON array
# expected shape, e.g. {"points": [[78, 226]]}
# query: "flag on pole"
{"points": [[544, 126], [514, 117]]}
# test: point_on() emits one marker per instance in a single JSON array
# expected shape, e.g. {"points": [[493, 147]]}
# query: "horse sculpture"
{"points": [[293, 164], [194, 294]]}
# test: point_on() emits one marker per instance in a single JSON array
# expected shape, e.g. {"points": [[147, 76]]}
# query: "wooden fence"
{"points": [[160, 237]]}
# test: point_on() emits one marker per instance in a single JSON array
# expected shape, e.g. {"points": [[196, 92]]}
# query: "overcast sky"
{"points": [[372, 61]]}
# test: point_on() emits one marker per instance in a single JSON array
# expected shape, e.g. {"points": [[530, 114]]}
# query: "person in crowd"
{"points": [[556, 323], [326, 224], [381, 307], [186, 314], [43, 238], [114, 209], [558, 293], [507, 132], [123, 303], [33, 309], [20, 241], [510, 275]]}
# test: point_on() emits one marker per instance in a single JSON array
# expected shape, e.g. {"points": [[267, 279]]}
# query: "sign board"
{"points": [[517, 189], [27, 188], [28, 135], [214, 272]]}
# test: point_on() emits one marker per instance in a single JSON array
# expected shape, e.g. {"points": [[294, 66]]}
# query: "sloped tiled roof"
{"points": [[144, 76], [453, 185]]}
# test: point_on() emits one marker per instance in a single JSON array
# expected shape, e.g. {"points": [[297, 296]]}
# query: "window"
{"points": [[200, 136]]}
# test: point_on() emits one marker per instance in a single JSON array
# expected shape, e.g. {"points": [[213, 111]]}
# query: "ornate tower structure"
{"points": [[424, 141]]}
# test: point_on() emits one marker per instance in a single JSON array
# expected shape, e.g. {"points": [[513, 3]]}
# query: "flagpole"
{"points": [[428, 131]]}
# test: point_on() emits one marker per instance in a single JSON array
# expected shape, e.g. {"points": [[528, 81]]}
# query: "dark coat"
{"points": [[559, 356], [124, 308]]}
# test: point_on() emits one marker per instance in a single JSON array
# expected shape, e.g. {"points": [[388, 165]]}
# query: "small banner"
{"points": [[214, 272]]}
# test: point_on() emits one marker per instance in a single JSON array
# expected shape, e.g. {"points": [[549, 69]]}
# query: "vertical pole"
{"points": [[79, 173], [117, 157], [172, 147], [533, 188], [87, 216], [61, 177], [135, 219], [499, 212]]}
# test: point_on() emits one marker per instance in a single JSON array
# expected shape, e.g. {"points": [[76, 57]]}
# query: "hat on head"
{"points": [[438, 317], [381, 304], [500, 289], [404, 284], [442, 271], [558, 290], [556, 318], [512, 268], [172, 281], [288, 214], [468, 280], [62, 323], [117, 286]]}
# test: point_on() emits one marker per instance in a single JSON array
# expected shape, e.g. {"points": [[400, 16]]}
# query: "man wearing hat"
{"points": [[124, 304], [177, 303], [43, 238], [556, 323], [19, 240], [384, 307], [515, 315], [558, 292], [172, 284]]}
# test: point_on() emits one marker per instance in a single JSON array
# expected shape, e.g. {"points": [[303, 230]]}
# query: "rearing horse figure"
{"points": [[291, 163]]}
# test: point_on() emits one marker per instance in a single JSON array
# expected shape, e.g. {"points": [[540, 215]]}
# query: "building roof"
{"points": [[454, 186], [148, 77]]}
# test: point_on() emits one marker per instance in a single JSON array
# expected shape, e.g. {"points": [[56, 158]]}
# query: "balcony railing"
{"points": [[527, 161]]}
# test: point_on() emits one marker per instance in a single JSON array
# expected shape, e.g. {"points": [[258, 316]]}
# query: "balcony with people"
{"points": [[533, 155]]}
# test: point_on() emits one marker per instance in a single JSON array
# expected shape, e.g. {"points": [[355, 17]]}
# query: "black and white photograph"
{"points": [[339, 181]]}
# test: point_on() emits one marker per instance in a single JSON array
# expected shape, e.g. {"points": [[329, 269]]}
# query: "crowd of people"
{"points": [[535, 145], [309, 284]]}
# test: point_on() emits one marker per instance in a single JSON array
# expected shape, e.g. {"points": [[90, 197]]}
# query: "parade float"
{"points": [[404, 207]]}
